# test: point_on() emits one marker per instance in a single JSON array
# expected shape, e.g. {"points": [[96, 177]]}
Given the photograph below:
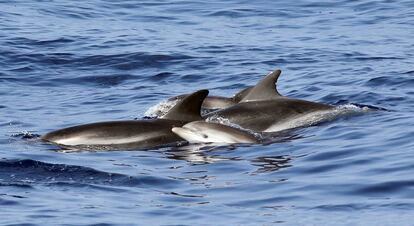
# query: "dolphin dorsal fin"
{"points": [[188, 109], [240, 95], [265, 89]]}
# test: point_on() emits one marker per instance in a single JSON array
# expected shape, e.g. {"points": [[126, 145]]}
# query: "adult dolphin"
{"points": [[264, 109], [210, 103], [131, 134], [263, 89]]}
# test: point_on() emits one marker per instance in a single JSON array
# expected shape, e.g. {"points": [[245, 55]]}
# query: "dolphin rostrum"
{"points": [[131, 134], [208, 132], [264, 109]]}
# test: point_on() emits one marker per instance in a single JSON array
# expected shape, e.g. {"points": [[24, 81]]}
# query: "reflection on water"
{"points": [[268, 164], [113, 60], [206, 154], [198, 153]]}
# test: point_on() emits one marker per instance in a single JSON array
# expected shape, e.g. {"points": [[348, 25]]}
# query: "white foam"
{"points": [[25, 134], [160, 109]]}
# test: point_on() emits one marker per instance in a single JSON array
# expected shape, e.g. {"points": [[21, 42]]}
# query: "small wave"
{"points": [[400, 186], [28, 172], [129, 61], [162, 108], [97, 80], [388, 81], [26, 135], [57, 41], [228, 13], [123, 61], [366, 107]]}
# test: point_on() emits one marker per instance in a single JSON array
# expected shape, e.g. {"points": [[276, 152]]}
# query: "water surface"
{"points": [[64, 63]]}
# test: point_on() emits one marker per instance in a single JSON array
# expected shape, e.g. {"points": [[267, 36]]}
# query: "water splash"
{"points": [[160, 109], [26, 135]]}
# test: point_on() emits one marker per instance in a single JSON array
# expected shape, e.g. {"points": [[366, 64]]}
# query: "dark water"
{"points": [[64, 63]]}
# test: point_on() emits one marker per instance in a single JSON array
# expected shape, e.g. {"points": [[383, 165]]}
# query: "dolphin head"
{"points": [[206, 132]]}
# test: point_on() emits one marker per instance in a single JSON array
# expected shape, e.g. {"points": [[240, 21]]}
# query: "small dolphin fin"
{"points": [[264, 89], [188, 109], [240, 95]]}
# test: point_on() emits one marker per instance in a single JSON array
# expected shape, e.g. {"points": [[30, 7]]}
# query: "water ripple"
{"points": [[64, 63], [28, 172]]}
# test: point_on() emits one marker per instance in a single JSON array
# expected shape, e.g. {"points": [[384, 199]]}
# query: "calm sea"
{"points": [[64, 63]]}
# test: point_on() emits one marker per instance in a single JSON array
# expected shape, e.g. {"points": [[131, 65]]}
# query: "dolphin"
{"points": [[218, 102], [212, 103], [131, 134], [264, 109], [208, 132]]}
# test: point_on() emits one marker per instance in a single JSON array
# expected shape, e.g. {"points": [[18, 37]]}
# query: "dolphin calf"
{"points": [[208, 132], [264, 109], [131, 134]]}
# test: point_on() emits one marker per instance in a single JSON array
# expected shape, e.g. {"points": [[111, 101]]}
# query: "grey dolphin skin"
{"points": [[218, 102], [264, 109], [207, 132], [131, 134]]}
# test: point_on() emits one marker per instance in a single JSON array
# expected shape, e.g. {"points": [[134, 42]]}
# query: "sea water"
{"points": [[64, 63]]}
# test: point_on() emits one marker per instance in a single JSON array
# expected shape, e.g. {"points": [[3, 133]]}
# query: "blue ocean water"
{"points": [[64, 63]]}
